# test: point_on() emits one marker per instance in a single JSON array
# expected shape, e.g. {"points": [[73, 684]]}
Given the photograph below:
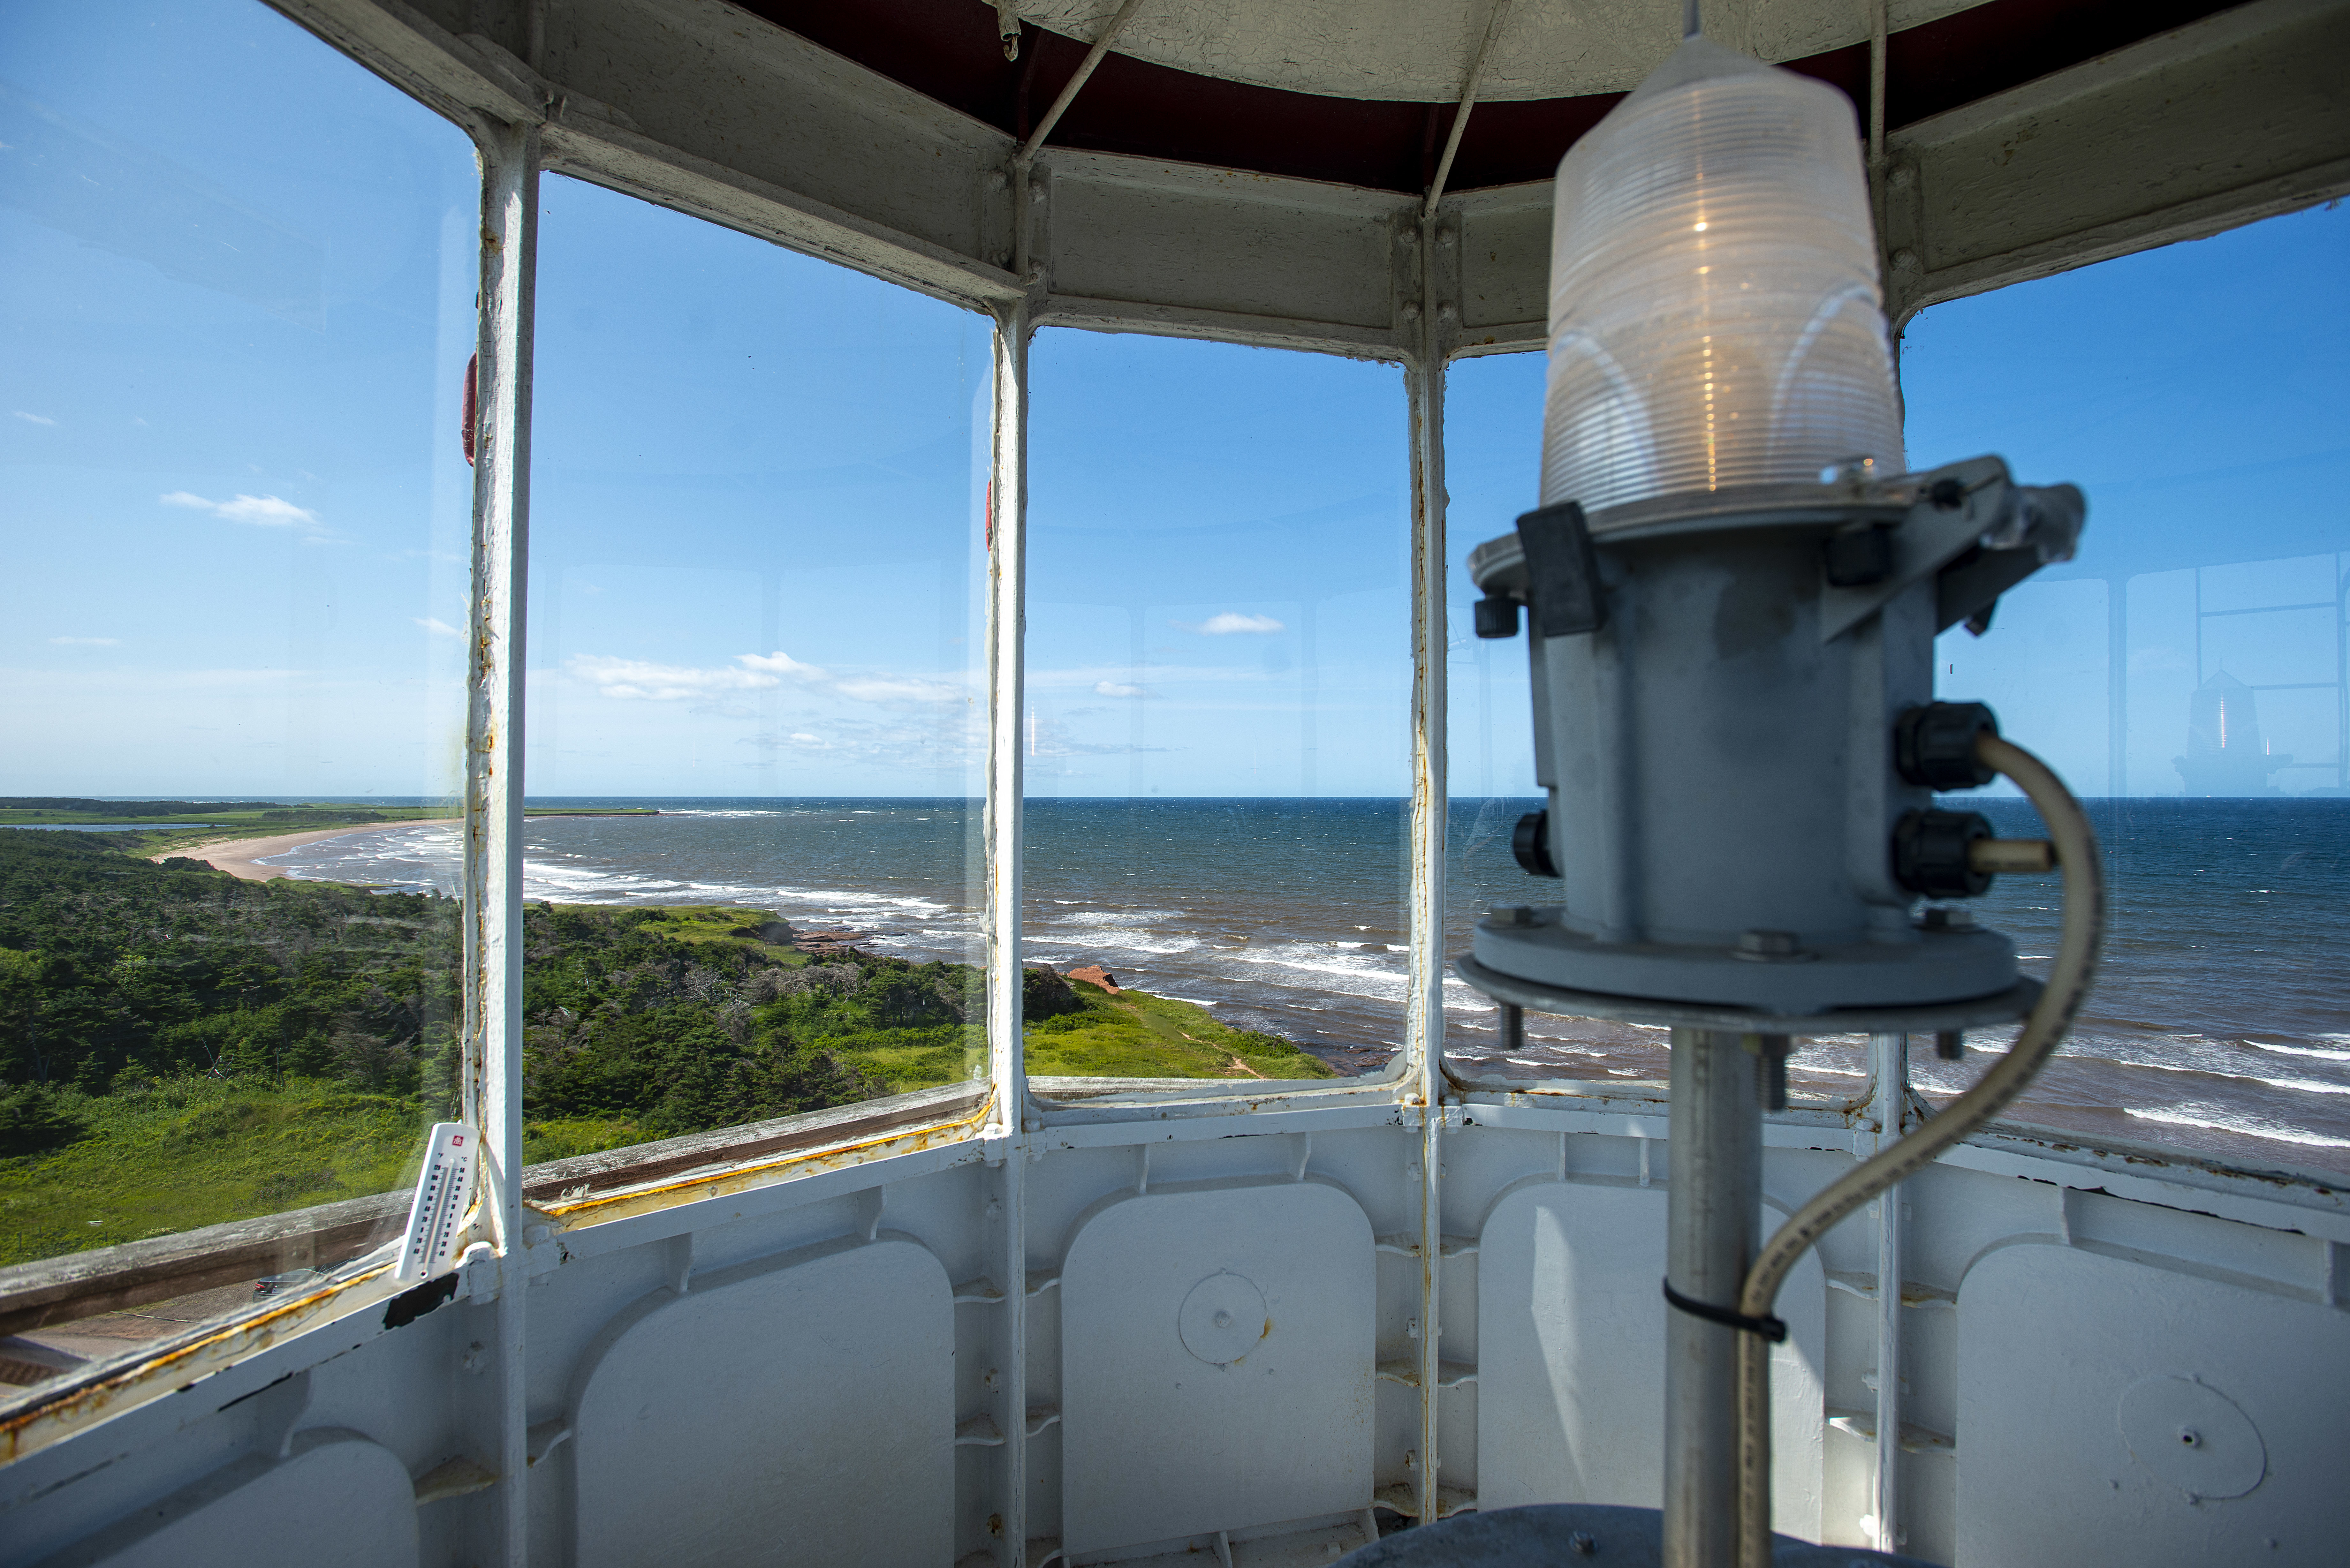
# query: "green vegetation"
{"points": [[1135, 1035], [203, 820], [179, 1047]]}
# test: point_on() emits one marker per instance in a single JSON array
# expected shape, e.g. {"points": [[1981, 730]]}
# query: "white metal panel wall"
{"points": [[799, 1408], [335, 1497], [2114, 1410], [1217, 1344], [1571, 1314]]}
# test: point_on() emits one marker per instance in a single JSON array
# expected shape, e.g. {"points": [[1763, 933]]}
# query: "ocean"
{"points": [[2220, 1021]]}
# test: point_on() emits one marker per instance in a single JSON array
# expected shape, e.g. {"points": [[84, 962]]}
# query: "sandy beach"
{"points": [[241, 857]]}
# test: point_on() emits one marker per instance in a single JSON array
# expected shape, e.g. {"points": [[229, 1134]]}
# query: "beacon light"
{"points": [[1715, 324], [1733, 592]]}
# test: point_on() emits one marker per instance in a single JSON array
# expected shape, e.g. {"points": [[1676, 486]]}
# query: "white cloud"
{"points": [[637, 681], [87, 641], [1229, 622], [779, 663], [34, 418], [263, 511], [1088, 678], [643, 681], [1117, 689], [888, 691], [438, 627]]}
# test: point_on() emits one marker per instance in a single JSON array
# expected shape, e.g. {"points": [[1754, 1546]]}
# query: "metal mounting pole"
{"points": [[1889, 1055], [1713, 1228]]}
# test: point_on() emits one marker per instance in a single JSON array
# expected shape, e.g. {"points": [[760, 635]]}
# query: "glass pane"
{"points": [[1493, 434], [757, 702], [1218, 689], [2187, 670], [236, 280]]}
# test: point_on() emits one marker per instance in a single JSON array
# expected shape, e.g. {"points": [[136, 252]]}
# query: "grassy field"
{"points": [[1136, 1035], [196, 1151]]}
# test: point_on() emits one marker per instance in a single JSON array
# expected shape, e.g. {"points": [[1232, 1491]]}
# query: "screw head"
{"points": [[1582, 1545]]}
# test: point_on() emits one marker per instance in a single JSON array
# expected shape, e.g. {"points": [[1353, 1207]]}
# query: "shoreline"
{"points": [[241, 857]]}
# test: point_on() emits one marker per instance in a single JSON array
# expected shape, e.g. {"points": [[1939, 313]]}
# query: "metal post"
{"points": [[1007, 1058], [494, 734], [1713, 1230], [1006, 590], [1889, 1062], [1424, 1005]]}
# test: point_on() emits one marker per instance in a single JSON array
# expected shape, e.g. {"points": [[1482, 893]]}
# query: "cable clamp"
{"points": [[1771, 1328]]}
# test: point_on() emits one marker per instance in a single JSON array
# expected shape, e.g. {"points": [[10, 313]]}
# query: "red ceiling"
{"points": [[948, 51]]}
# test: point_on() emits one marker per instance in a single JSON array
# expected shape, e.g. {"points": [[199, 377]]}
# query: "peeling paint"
{"points": [[74, 1409], [582, 1213]]}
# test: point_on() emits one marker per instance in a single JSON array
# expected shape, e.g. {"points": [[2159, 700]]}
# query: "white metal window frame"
{"points": [[1034, 236], [763, 132], [766, 133]]}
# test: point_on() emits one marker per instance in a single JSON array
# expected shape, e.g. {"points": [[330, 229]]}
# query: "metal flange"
{"points": [[2002, 1007]]}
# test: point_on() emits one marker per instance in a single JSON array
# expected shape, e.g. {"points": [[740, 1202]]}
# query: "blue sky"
{"points": [[2194, 392], [236, 514]]}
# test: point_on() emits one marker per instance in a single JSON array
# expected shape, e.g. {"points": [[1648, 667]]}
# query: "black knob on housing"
{"points": [[1859, 556], [1929, 853], [1934, 746], [1531, 843], [1497, 616]]}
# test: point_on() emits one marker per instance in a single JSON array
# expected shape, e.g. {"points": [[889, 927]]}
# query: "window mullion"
{"points": [[1007, 527], [494, 750]]}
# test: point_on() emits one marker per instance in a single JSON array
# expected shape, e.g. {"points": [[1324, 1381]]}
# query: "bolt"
{"points": [[1767, 944], [1223, 1320], [2190, 1437], [1511, 914], [1582, 1545]]}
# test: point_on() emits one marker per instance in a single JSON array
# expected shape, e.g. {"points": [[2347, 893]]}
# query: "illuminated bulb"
{"points": [[1715, 322]]}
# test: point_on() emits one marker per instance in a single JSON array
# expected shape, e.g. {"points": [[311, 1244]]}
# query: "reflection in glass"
{"points": [[757, 704], [2188, 667], [1218, 698], [236, 277], [2187, 673]]}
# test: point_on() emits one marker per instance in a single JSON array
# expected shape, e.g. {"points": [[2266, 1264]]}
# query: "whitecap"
{"points": [[2304, 1050], [2243, 1126]]}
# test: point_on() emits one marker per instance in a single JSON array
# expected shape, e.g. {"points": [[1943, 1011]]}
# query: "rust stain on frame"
{"points": [[586, 1211], [35, 1428]]}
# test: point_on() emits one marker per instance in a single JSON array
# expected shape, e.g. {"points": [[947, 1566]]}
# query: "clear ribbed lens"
{"points": [[1714, 315]]}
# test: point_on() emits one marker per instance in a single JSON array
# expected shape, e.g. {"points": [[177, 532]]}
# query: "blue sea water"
{"points": [[2220, 1020]]}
